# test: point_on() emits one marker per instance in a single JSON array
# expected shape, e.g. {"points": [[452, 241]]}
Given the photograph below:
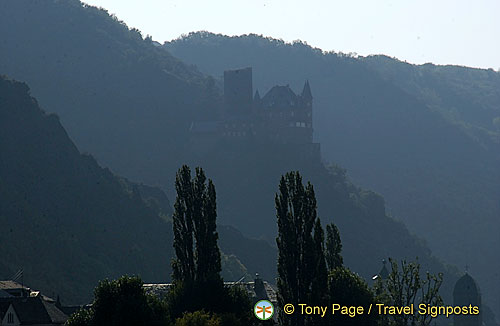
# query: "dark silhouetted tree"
{"points": [[349, 289], [121, 302], [301, 263], [197, 266], [333, 247], [195, 234]]}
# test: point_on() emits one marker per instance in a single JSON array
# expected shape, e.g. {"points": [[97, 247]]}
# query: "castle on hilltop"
{"points": [[280, 116]]}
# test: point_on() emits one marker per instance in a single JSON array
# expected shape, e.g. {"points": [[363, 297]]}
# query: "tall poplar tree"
{"points": [[301, 262], [197, 265], [195, 235]]}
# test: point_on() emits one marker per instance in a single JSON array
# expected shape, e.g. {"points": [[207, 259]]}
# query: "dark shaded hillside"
{"points": [[117, 94], [64, 219], [465, 96], [437, 177], [123, 99], [70, 223]]}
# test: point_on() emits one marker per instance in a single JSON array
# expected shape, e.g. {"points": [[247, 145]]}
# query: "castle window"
{"points": [[303, 124], [292, 113], [297, 124]]}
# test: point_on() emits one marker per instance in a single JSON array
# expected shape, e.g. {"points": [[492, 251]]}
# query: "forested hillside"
{"points": [[465, 96], [121, 97], [66, 221], [130, 103], [389, 124], [69, 223]]}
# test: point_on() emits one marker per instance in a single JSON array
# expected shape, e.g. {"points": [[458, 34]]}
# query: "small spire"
{"points": [[384, 273], [257, 96], [306, 92]]}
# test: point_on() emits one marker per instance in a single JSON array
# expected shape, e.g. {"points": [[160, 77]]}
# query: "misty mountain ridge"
{"points": [[123, 103], [69, 223], [440, 175]]}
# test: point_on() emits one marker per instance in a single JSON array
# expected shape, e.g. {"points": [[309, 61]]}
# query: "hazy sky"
{"points": [[462, 32]]}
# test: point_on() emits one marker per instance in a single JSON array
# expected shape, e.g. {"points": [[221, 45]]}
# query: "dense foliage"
{"points": [[465, 96], [348, 289], [65, 220], [302, 273], [121, 302], [195, 236], [197, 264], [120, 96]]}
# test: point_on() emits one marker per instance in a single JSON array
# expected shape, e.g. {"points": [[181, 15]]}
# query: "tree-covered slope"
{"points": [[124, 100], [115, 92], [465, 96], [69, 223], [438, 177], [66, 221]]}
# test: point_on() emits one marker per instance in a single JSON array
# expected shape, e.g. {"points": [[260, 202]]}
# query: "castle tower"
{"points": [[465, 293], [238, 91]]}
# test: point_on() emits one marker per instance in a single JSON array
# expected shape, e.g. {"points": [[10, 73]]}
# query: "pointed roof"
{"points": [[34, 310], [256, 96], [280, 97], [306, 92], [384, 273]]}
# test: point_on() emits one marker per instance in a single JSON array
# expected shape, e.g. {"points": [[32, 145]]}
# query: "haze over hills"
{"points": [[69, 223], [66, 221], [111, 84], [130, 104], [464, 96], [425, 137]]}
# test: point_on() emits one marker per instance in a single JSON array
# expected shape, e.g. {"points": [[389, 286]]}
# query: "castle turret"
{"points": [[257, 96], [257, 100], [306, 93]]}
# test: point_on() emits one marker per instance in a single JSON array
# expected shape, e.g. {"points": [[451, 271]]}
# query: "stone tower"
{"points": [[465, 293], [238, 91]]}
